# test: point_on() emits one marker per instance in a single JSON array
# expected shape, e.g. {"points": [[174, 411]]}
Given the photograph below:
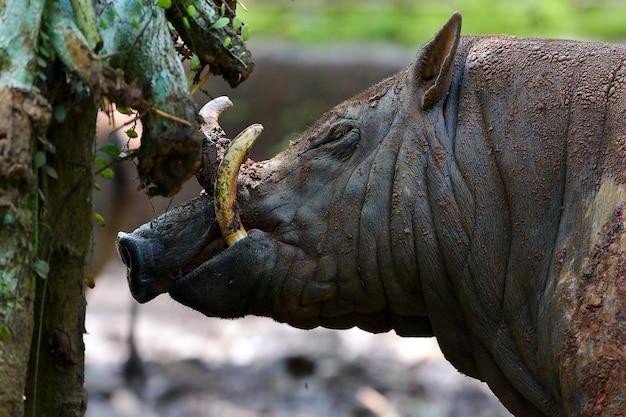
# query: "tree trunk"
{"points": [[17, 232], [45, 225], [56, 374], [24, 116]]}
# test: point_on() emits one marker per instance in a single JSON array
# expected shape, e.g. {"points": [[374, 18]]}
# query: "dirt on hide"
{"points": [[593, 346]]}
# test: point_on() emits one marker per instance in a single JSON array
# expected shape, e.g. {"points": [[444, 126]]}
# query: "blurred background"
{"points": [[310, 55]]}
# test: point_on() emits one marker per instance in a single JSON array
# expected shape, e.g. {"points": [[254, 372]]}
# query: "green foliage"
{"points": [[164, 4], [39, 159], [220, 23], [45, 52], [7, 219], [106, 173], [99, 219], [410, 22], [41, 268], [5, 334], [59, 113], [237, 22], [40, 162], [195, 63], [245, 32], [110, 149], [100, 161], [124, 110]]}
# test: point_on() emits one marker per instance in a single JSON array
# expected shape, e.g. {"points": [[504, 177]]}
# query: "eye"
{"points": [[341, 140]]}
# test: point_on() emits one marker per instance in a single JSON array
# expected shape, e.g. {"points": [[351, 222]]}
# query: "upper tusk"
{"points": [[211, 112], [225, 193]]}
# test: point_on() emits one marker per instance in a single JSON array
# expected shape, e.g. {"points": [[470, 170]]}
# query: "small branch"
{"points": [[200, 83], [166, 115]]}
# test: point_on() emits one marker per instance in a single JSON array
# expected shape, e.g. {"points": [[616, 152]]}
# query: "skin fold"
{"points": [[476, 196]]}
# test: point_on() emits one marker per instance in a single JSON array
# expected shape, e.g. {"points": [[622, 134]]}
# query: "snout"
{"points": [[127, 250], [147, 274], [158, 253]]}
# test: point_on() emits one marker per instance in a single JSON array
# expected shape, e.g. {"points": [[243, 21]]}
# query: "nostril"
{"points": [[126, 256], [127, 248]]}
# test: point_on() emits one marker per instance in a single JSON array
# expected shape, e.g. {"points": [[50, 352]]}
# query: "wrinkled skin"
{"points": [[475, 196]]}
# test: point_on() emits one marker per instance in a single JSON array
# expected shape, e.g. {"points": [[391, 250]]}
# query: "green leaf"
{"points": [[186, 22], [103, 24], [99, 219], [52, 173], [5, 334], [41, 268], [96, 186], [39, 159], [135, 23], [237, 22], [131, 133], [191, 10], [100, 161], [227, 42], [195, 63], [223, 9], [220, 23], [124, 109], [59, 113], [110, 149], [164, 4], [7, 219], [107, 173], [44, 51], [245, 32]]}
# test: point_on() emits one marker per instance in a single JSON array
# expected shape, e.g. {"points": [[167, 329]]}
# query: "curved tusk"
{"points": [[225, 193], [211, 112]]}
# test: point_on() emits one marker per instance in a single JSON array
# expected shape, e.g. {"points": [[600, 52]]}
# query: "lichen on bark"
{"points": [[24, 115]]}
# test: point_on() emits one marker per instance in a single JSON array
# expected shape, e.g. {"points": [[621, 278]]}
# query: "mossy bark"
{"points": [[24, 116], [17, 231]]}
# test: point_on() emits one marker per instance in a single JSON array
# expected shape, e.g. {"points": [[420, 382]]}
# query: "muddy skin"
{"points": [[476, 196]]}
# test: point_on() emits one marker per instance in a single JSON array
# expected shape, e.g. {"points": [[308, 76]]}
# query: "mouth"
{"points": [[151, 271], [214, 248], [201, 231], [156, 266]]}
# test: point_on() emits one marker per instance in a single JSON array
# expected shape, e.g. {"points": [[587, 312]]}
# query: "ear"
{"points": [[433, 69]]}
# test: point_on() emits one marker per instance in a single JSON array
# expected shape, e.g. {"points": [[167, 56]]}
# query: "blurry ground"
{"points": [[197, 366]]}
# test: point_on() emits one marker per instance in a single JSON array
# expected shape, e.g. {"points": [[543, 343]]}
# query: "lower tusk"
{"points": [[225, 193]]}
